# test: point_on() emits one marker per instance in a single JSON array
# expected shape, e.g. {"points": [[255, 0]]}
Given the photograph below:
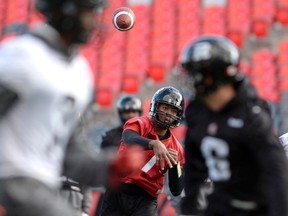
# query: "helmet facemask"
{"points": [[167, 96], [169, 120]]}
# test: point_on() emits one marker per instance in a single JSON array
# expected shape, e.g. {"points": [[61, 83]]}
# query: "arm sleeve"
{"points": [[131, 137], [195, 173], [271, 160], [175, 180]]}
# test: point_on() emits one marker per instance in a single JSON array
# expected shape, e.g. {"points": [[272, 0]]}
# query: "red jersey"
{"points": [[150, 177]]}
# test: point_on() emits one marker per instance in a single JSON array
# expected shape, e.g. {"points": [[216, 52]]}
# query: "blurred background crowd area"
{"points": [[140, 61]]}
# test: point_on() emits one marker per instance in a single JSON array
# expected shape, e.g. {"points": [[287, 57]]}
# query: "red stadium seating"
{"points": [[260, 27], [111, 61], [2, 14], [188, 22], [146, 106], [214, 21], [163, 42], [282, 3], [137, 45], [157, 72], [245, 67], [16, 11], [104, 97], [238, 20], [263, 74], [282, 15], [131, 83], [262, 16]]}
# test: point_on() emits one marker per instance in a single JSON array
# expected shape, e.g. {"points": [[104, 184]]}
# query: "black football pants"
{"points": [[119, 203]]}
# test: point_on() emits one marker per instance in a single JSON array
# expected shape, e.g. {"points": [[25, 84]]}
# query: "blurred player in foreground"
{"points": [[230, 138], [127, 107], [137, 195], [44, 86]]}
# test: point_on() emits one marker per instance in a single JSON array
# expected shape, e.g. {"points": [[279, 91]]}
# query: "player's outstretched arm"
{"points": [[89, 168]]}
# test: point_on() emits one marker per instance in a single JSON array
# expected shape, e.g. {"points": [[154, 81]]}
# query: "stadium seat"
{"points": [[146, 106], [214, 21], [283, 72], [263, 74], [282, 3], [260, 28], [262, 16], [282, 54], [16, 16], [91, 54], [111, 61], [2, 14], [281, 16], [238, 20], [157, 72], [245, 67], [104, 97], [137, 44], [236, 36], [188, 22], [131, 83], [283, 46], [16, 11], [163, 41], [34, 16]]}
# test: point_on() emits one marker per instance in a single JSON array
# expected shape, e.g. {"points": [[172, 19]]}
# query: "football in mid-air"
{"points": [[123, 19]]}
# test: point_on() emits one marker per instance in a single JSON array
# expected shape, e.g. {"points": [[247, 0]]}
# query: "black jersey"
{"points": [[238, 150], [112, 138]]}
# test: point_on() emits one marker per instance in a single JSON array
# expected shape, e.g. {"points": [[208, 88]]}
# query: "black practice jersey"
{"points": [[238, 150], [112, 138]]}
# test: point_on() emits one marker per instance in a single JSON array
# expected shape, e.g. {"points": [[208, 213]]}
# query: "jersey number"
{"points": [[216, 152]]}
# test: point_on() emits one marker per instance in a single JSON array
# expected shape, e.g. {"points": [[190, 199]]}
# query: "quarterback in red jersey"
{"points": [[137, 195]]}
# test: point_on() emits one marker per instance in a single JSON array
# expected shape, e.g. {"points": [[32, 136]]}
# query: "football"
{"points": [[123, 19]]}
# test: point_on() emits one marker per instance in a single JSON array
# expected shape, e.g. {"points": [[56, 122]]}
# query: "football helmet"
{"points": [[64, 15], [128, 103], [211, 61], [171, 96]]}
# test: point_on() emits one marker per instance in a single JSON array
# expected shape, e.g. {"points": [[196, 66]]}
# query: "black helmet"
{"points": [[171, 96], [211, 61], [63, 15], [128, 103]]}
